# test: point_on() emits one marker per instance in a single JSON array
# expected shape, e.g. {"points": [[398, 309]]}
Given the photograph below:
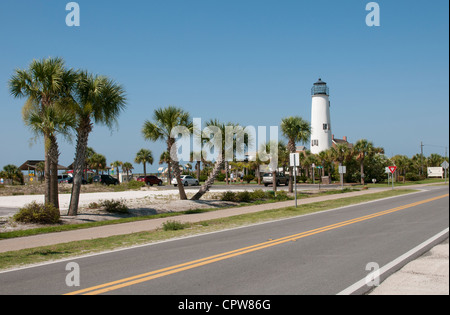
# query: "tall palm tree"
{"points": [[164, 120], [296, 129], [43, 84], [50, 121], [95, 99], [127, 167], [144, 156], [218, 140], [362, 149], [97, 161]]}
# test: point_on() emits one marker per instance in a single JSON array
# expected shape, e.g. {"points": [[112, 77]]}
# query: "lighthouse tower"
{"points": [[320, 118]]}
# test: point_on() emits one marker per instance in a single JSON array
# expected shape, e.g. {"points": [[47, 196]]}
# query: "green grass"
{"points": [[61, 251]]}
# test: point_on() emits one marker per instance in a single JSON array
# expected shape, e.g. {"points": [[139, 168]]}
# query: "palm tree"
{"points": [[296, 130], [44, 83], [164, 120], [362, 149], [12, 172], [95, 99], [97, 161], [127, 167], [144, 156], [218, 140]]}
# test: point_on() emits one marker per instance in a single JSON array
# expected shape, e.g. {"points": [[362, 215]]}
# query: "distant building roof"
{"points": [[341, 141], [31, 165]]}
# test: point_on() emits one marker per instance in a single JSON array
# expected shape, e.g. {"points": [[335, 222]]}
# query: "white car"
{"points": [[187, 180]]}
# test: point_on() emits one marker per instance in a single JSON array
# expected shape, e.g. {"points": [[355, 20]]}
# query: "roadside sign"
{"points": [[392, 169], [294, 159], [342, 169], [445, 164]]}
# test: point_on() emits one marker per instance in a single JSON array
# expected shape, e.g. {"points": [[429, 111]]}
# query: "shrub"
{"points": [[114, 206], [248, 178], [134, 184], [243, 196], [259, 194], [282, 195], [220, 177], [174, 225], [229, 196], [412, 177], [38, 213]]}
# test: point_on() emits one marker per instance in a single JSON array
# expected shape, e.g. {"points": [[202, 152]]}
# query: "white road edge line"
{"points": [[361, 283]]}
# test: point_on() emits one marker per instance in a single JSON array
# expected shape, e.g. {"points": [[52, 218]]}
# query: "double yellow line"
{"points": [[114, 285]]}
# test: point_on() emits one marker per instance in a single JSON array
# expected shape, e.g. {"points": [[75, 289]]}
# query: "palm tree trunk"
{"points": [[210, 181], [53, 153], [47, 176], [79, 164], [362, 171], [176, 171]]}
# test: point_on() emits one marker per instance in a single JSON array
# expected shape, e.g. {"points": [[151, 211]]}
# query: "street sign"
{"points": [[342, 169], [294, 159], [445, 164], [392, 169]]}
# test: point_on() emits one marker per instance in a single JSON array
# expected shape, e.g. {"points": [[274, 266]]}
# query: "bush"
{"points": [[134, 184], [174, 225], [229, 196], [243, 196], [114, 206], [220, 177], [248, 178], [282, 196], [38, 213], [259, 194], [412, 177]]}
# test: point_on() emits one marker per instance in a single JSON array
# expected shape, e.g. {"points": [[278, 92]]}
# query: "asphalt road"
{"points": [[323, 253]]}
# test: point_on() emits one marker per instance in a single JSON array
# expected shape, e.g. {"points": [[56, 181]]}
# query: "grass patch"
{"points": [[61, 251]]}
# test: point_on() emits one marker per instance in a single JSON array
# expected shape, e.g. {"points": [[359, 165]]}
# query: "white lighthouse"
{"points": [[320, 118]]}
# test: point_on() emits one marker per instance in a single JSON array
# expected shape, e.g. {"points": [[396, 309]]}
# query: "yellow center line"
{"points": [[114, 285]]}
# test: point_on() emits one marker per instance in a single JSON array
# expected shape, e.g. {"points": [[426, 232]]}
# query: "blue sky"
{"points": [[247, 61]]}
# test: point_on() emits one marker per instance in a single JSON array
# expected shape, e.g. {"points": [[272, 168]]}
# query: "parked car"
{"points": [[186, 180], [70, 181], [280, 179], [64, 178], [105, 180], [150, 180]]}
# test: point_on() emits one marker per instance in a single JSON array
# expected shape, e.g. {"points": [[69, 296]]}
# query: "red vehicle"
{"points": [[150, 180]]}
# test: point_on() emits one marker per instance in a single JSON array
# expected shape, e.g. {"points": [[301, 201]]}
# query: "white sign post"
{"points": [[445, 167], [342, 171], [294, 159]]}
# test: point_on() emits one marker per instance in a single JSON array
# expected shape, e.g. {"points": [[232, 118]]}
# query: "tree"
{"points": [[164, 120], [144, 156], [97, 161], [44, 83], [218, 140], [12, 172], [94, 99], [296, 130], [362, 149], [127, 167]]}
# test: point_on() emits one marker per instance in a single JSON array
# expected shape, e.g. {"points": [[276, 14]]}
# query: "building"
{"points": [[321, 139]]}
